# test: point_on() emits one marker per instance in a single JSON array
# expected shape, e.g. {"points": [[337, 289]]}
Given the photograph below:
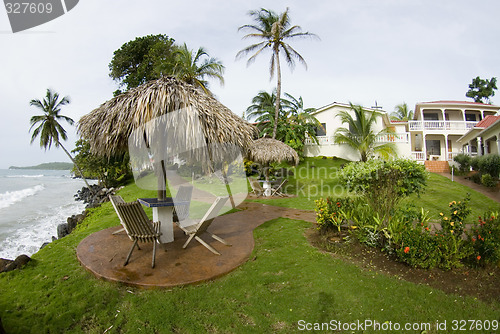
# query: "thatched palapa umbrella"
{"points": [[109, 126], [267, 150]]}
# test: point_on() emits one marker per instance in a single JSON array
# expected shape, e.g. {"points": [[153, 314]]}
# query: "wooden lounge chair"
{"points": [[137, 225], [115, 200], [277, 190], [181, 211], [256, 187], [200, 227]]}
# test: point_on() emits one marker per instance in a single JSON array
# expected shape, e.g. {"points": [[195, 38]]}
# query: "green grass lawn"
{"points": [[310, 183], [286, 281]]}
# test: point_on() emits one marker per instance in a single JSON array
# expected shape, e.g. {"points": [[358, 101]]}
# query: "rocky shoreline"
{"points": [[93, 197]]}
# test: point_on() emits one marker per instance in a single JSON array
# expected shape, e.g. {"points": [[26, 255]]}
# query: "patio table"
{"points": [[267, 185], [163, 212]]}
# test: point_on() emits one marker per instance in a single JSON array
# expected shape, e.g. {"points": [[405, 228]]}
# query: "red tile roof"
{"points": [[487, 121]]}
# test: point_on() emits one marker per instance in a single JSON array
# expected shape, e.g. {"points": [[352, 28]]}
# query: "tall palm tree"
{"points": [[192, 68], [360, 134], [274, 31], [402, 113], [47, 125]]}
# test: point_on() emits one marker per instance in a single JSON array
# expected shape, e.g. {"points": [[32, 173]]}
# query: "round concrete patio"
{"points": [[103, 253]]}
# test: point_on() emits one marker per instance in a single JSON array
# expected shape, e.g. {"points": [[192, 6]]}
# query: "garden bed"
{"points": [[482, 283]]}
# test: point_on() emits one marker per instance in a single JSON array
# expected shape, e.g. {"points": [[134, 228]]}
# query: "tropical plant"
{"points": [[295, 123], [402, 113], [301, 124], [360, 134], [274, 31], [482, 89], [47, 125], [193, 67]]}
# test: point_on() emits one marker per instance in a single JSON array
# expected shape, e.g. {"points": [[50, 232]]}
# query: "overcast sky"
{"points": [[387, 51]]}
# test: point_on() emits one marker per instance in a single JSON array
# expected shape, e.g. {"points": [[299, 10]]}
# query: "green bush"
{"points": [[474, 162], [487, 180], [476, 178], [490, 164], [384, 183], [463, 161]]}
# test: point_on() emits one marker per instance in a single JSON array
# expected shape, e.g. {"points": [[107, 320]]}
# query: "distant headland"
{"points": [[48, 166]]}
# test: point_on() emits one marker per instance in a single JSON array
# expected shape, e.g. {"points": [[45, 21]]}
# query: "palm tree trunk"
{"points": [[76, 165], [278, 92]]}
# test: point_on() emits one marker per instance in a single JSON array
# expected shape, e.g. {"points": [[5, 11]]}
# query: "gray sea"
{"points": [[32, 204]]}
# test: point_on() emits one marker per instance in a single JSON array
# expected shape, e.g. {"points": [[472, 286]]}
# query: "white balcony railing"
{"points": [[387, 138], [419, 156], [440, 125], [393, 138]]}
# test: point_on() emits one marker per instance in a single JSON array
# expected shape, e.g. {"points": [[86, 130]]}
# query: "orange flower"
{"points": [[478, 257], [407, 249]]}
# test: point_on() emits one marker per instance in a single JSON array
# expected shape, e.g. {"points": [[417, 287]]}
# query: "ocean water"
{"points": [[32, 204]]}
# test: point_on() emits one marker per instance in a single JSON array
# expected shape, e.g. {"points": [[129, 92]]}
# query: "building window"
{"points": [[431, 117], [321, 130], [433, 147], [470, 117]]}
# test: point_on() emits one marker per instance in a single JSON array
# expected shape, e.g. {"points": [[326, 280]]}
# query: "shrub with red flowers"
{"points": [[484, 238], [416, 246]]}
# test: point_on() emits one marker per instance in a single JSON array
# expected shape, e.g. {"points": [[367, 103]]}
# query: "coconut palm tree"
{"points": [[402, 113], [274, 31], [360, 134], [47, 125], [193, 69]]}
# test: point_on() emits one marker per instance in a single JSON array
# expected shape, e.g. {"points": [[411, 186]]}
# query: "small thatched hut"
{"points": [[268, 150]]}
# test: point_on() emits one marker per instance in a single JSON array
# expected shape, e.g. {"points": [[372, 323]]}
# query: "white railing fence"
{"points": [[387, 138], [440, 125]]}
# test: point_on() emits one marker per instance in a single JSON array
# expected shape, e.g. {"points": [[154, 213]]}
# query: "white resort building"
{"points": [[438, 131]]}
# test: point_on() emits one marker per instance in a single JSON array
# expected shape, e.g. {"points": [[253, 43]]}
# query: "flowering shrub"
{"points": [[454, 222], [330, 212], [484, 238]]}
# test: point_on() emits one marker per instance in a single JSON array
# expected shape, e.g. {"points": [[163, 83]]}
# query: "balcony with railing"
{"points": [[451, 126], [420, 156], [386, 138]]}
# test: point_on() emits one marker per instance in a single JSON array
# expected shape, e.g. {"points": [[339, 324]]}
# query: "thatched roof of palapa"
{"points": [[267, 150], [108, 127]]}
